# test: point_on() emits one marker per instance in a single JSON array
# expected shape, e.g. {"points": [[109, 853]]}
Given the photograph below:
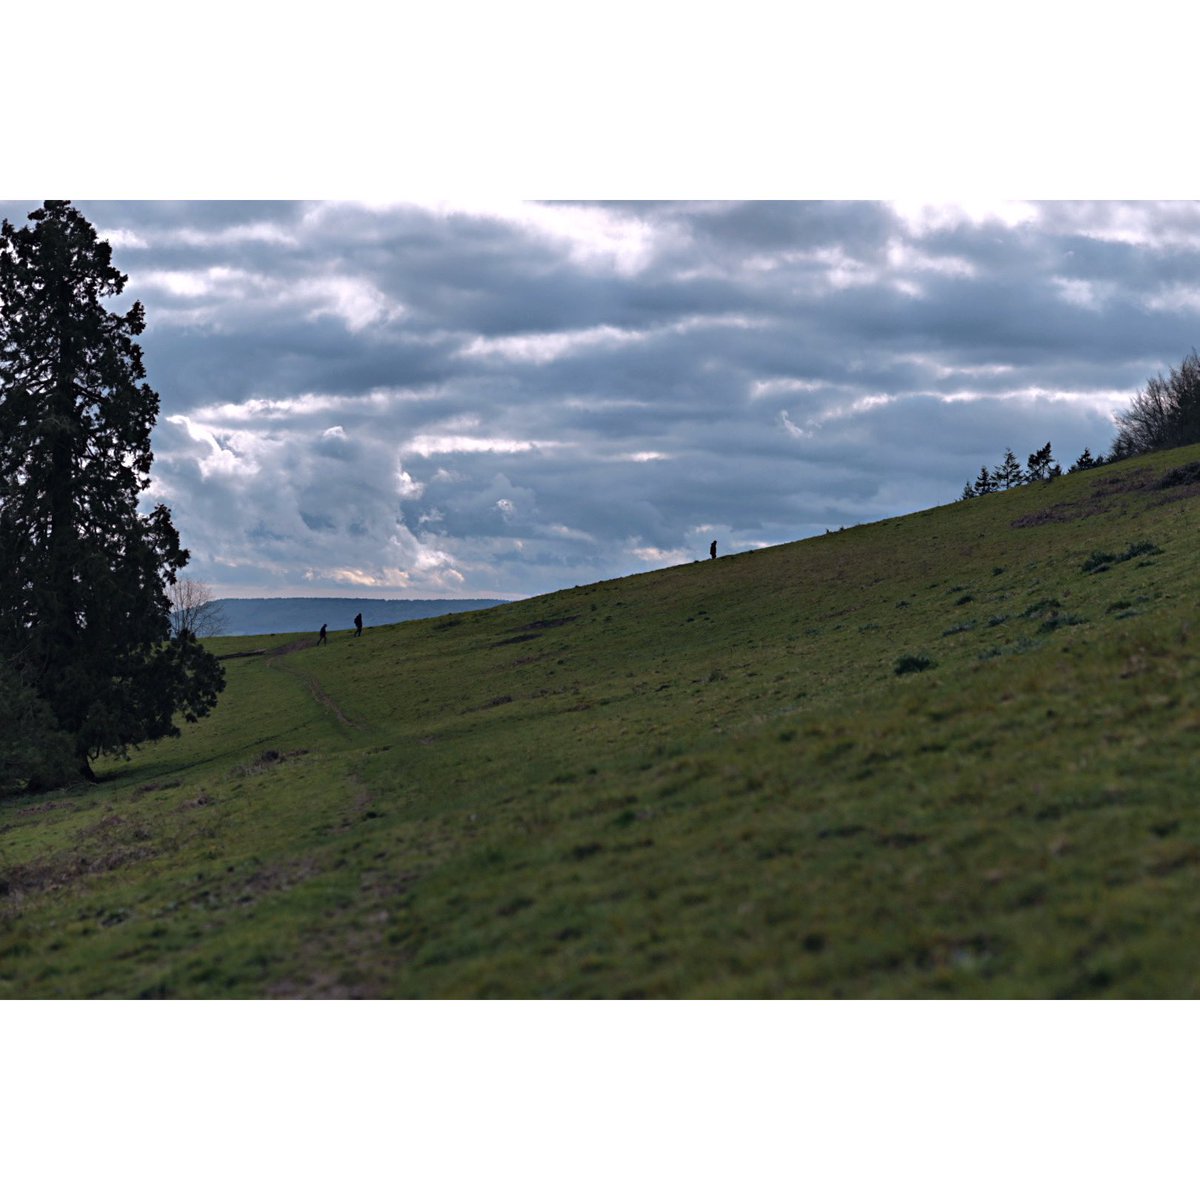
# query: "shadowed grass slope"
{"points": [[949, 754]]}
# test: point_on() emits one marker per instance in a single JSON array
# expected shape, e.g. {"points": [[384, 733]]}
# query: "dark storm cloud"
{"points": [[782, 225], [504, 399]]}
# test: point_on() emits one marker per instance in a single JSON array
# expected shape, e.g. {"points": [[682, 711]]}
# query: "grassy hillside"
{"points": [[726, 779]]}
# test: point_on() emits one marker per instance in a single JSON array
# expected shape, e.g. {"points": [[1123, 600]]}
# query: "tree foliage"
{"points": [[1008, 473], [1040, 465], [194, 609], [1164, 414], [84, 612], [985, 482], [34, 752]]}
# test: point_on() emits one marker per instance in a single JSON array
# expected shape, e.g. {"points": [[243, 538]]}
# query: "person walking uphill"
{"points": [[358, 625], [712, 550], [321, 639]]}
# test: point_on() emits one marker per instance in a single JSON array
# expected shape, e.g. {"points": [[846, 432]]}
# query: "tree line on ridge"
{"points": [[1163, 415]]}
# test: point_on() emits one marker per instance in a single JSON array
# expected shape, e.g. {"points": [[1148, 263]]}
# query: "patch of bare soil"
{"points": [[550, 622], [1182, 476], [526, 633], [270, 879], [1046, 516], [289, 648], [322, 697], [1178, 495], [521, 637], [1131, 481], [1101, 500], [353, 959], [266, 760], [18, 880]]}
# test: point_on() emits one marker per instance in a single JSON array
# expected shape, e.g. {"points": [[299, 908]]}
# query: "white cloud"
{"points": [[593, 237], [844, 271], [657, 557], [921, 217], [283, 408], [1103, 401], [1179, 297], [546, 347], [354, 301], [230, 283], [427, 445], [1084, 293], [770, 387], [903, 256], [229, 235], [540, 348], [229, 453], [834, 412], [795, 430], [408, 488], [386, 577], [123, 239]]}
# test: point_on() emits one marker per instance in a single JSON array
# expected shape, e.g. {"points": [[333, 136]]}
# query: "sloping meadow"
{"points": [[949, 754]]}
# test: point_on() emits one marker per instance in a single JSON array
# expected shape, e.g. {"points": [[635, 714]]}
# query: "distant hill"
{"points": [[304, 613]]}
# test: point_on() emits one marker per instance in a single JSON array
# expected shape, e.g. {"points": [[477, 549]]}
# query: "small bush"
{"points": [[965, 599], [909, 663], [1098, 561], [1020, 646], [35, 755], [1059, 622], [1101, 560], [965, 627], [1038, 607]]}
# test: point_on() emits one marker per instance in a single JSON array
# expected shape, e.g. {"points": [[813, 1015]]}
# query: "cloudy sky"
{"points": [[502, 399]]}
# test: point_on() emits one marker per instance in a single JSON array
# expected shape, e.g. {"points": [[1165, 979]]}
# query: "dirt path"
{"points": [[322, 697], [276, 658]]}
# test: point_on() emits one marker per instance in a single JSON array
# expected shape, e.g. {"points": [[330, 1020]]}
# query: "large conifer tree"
{"points": [[84, 614]]}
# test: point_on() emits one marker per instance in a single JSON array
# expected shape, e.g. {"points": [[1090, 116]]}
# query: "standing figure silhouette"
{"points": [[712, 550], [358, 625], [321, 639]]}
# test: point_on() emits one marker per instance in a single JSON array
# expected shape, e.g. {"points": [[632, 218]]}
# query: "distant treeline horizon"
{"points": [[246, 616]]}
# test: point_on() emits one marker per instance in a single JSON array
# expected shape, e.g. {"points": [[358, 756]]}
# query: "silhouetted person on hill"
{"points": [[321, 639], [358, 625], [712, 550]]}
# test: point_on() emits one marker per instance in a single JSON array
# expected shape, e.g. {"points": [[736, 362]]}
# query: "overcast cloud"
{"points": [[506, 399]]}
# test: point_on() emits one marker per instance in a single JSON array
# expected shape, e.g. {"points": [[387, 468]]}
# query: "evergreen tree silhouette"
{"points": [[84, 612]]}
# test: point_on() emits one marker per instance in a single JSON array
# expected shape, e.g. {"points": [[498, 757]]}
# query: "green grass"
{"points": [[714, 780]]}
